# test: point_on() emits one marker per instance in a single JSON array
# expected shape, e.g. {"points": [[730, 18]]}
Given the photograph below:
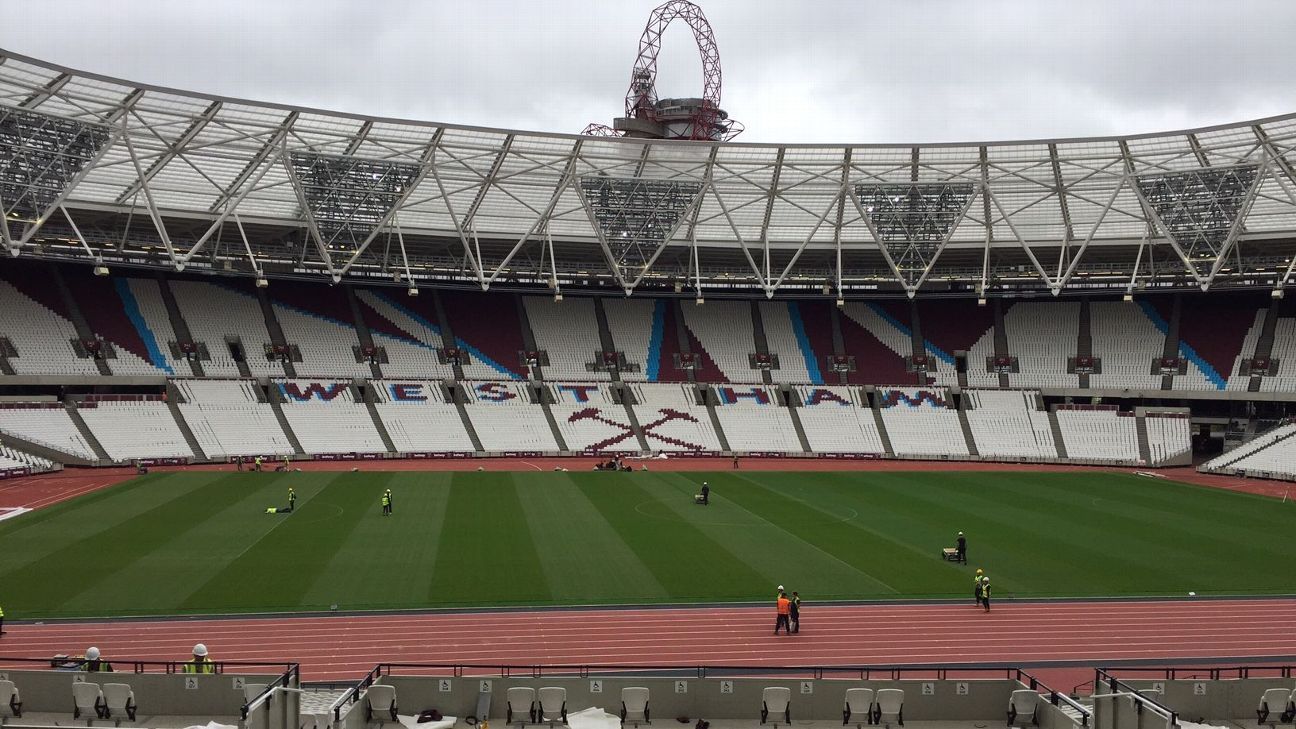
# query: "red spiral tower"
{"points": [[647, 116]]}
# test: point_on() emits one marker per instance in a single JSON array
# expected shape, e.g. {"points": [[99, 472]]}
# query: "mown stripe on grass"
{"points": [[386, 562], [490, 557], [851, 530], [90, 557], [274, 572], [185, 562], [771, 540], [687, 559], [582, 555]]}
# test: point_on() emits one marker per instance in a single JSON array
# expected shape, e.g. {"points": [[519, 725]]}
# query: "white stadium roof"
{"points": [[105, 169]]}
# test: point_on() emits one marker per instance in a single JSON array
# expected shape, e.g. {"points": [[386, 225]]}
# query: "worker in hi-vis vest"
{"points": [[201, 662]]}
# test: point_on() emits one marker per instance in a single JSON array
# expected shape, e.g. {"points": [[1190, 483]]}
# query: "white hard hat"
{"points": [[92, 654], [780, 588], [200, 650], [960, 534]]}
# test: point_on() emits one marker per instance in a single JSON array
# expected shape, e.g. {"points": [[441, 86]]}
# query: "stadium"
{"points": [[418, 423]]}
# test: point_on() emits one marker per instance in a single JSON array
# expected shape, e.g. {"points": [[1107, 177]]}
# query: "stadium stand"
{"points": [[11, 457], [41, 336], [920, 423], [1098, 433], [419, 419], [637, 334], [879, 340], [785, 334], [753, 420], [725, 331], [1127, 343], [326, 417], [958, 325], [135, 429], [1272, 452], [230, 418], [568, 331], [318, 321], [1283, 351], [672, 420], [489, 325], [1213, 336], [506, 420], [45, 423], [112, 312], [218, 315], [150, 318], [410, 339], [590, 420], [1010, 424], [1169, 436], [1041, 336], [836, 420]]}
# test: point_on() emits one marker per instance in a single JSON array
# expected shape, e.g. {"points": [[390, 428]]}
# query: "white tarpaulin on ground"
{"points": [[593, 718]]}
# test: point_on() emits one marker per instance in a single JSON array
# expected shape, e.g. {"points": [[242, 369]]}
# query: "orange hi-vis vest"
{"points": [[784, 606]]}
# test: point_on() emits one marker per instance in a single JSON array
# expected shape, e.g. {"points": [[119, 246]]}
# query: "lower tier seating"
{"points": [[130, 430], [235, 429], [48, 425], [1099, 435]]}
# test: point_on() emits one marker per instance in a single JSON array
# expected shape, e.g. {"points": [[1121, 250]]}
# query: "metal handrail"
{"points": [[352, 694], [1056, 697], [1119, 687]]}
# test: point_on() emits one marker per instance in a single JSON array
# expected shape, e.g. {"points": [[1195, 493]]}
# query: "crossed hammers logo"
{"points": [[667, 415]]}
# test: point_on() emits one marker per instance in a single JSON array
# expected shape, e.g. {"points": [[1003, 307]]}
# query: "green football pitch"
{"points": [[201, 542]]}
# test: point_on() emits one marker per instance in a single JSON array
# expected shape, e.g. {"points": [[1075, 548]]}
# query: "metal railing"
{"points": [[864, 673]]}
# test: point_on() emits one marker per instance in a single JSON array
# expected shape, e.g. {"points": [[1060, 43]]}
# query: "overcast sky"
{"points": [[826, 71]]}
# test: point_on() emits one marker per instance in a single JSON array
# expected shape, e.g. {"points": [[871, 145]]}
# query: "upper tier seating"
{"points": [[326, 417], [920, 423], [1041, 336], [837, 420], [213, 313], [42, 338], [785, 336], [153, 325], [325, 343], [724, 329], [1284, 350], [880, 350], [568, 331], [130, 430], [588, 419], [505, 418], [631, 322], [1008, 424], [45, 424], [1169, 436], [111, 311], [1127, 342], [1216, 332], [753, 420], [949, 326], [411, 340], [419, 419], [228, 418], [672, 420], [1099, 435]]}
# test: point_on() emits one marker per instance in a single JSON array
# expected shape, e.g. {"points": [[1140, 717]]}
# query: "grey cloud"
{"points": [[845, 71]]}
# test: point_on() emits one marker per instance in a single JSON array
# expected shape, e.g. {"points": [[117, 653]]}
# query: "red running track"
{"points": [[344, 647]]}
